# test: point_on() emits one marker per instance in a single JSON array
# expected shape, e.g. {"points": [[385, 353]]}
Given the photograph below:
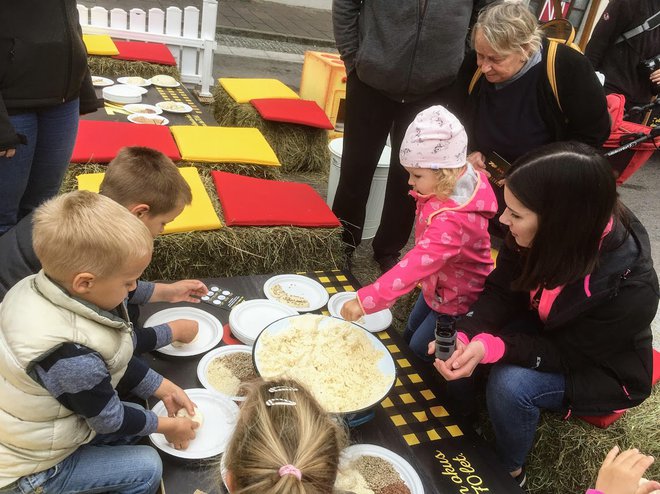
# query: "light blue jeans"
{"points": [[106, 464], [35, 173], [515, 397]]}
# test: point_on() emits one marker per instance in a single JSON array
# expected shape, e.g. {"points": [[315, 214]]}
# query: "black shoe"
{"points": [[521, 478], [387, 262]]}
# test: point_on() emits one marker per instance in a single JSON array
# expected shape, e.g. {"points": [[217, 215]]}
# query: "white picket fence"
{"points": [[191, 42]]}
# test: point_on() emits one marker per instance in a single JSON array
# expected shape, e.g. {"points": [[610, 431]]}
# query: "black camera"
{"points": [[445, 337]]}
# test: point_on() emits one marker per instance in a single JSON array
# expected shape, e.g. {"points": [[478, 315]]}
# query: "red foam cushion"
{"points": [[298, 111], [251, 201], [144, 52], [99, 141], [607, 420]]}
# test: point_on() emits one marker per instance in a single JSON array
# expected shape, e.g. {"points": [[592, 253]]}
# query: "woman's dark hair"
{"points": [[573, 191]]}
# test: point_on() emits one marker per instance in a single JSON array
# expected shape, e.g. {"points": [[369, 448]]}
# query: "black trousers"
{"points": [[370, 117]]}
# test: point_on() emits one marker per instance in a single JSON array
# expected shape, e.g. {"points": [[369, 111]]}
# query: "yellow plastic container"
{"points": [[324, 81]]}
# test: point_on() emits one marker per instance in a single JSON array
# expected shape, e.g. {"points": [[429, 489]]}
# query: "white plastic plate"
{"points": [[135, 81], [151, 119], [249, 318], [210, 330], [220, 416], [99, 81], [385, 364], [123, 93], [378, 321], [301, 286], [170, 82], [212, 355], [405, 470], [174, 107], [143, 108]]}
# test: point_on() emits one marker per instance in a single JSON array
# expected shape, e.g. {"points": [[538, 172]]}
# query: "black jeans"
{"points": [[370, 117]]}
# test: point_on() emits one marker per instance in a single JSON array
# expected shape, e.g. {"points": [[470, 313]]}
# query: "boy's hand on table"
{"points": [[178, 431], [174, 398], [621, 473], [181, 291], [184, 330], [351, 310]]}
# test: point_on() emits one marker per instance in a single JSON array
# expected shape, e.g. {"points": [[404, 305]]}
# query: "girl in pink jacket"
{"points": [[451, 257]]}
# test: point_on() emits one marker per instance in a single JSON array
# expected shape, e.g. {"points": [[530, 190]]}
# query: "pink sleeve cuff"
{"points": [[462, 337], [594, 491], [494, 347]]}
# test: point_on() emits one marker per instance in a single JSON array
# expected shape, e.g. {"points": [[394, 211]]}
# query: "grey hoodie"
{"points": [[404, 48]]}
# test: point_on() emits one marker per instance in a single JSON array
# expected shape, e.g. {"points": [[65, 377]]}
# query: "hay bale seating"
{"points": [[298, 147], [568, 453], [233, 251], [111, 67]]}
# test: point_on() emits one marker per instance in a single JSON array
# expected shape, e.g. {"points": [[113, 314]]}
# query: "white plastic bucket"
{"points": [[376, 192]]}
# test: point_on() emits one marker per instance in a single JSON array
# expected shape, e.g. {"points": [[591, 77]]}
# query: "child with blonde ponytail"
{"points": [[284, 443]]}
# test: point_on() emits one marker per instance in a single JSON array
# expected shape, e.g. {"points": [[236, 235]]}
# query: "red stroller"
{"points": [[634, 143]]}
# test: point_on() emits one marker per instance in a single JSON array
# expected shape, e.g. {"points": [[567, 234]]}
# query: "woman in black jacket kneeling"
{"points": [[565, 316]]}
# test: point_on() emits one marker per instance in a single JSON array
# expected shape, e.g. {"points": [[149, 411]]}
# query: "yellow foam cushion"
{"points": [[100, 44], [244, 90], [223, 145], [197, 216]]}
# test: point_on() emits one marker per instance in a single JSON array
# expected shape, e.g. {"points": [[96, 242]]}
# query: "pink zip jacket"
{"points": [[451, 257]]}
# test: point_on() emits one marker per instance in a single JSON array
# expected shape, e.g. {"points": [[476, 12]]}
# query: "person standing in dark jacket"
{"points": [[45, 85], [400, 57], [620, 61], [565, 316]]}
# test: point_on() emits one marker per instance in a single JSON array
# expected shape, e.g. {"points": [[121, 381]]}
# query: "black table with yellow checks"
{"points": [[414, 420]]}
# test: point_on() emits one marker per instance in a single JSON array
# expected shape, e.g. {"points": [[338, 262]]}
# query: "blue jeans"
{"points": [[515, 397], [420, 329], [106, 464], [35, 173]]}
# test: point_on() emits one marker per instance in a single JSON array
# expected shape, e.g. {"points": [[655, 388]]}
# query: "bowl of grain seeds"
{"points": [[225, 370], [371, 469]]}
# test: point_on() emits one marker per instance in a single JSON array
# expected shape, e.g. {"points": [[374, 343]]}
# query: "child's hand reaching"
{"points": [[621, 473], [181, 291], [184, 330], [351, 310]]}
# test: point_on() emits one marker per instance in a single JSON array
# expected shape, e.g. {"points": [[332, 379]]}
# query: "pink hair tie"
{"points": [[290, 470]]}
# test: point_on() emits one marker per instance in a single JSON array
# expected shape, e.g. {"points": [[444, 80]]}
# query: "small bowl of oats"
{"points": [[225, 370]]}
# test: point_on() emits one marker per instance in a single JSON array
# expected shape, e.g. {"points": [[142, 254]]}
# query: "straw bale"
{"points": [[249, 170], [224, 107], [111, 67], [567, 454]]}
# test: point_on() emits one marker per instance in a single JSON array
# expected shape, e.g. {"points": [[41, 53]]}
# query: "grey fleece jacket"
{"points": [[404, 48]]}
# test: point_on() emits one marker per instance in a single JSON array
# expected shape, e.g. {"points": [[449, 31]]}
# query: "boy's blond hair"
{"points": [[86, 232], [447, 178], [269, 437], [141, 175]]}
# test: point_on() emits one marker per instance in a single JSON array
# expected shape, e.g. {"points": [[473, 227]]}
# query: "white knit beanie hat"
{"points": [[435, 139]]}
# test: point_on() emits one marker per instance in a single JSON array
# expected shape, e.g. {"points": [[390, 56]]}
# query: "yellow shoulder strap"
{"points": [[475, 78], [550, 68]]}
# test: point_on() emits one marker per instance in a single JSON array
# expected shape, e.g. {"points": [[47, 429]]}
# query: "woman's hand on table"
{"points": [[462, 362], [620, 473], [351, 310], [478, 161], [184, 330], [181, 291]]}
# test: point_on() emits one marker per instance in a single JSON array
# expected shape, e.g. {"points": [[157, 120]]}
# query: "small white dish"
{"points": [[206, 360], [403, 468], [378, 321], [123, 94], [248, 319], [147, 119], [174, 106], [298, 286], [163, 80], [209, 335], [99, 81], [143, 108], [211, 438], [135, 81]]}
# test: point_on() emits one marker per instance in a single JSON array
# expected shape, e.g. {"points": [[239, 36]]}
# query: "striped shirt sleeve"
{"points": [[78, 378]]}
